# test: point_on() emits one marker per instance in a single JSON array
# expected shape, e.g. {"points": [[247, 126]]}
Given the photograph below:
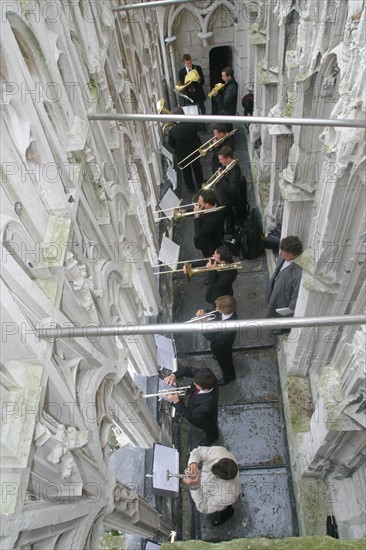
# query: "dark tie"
{"points": [[276, 272]]}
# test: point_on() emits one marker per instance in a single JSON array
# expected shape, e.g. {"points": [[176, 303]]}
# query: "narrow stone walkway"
{"points": [[251, 419]]}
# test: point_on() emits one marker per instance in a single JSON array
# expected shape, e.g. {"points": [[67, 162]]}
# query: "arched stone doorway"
{"points": [[220, 57]]}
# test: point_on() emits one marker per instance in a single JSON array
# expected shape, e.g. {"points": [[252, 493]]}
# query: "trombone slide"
{"points": [[215, 178], [202, 150]]}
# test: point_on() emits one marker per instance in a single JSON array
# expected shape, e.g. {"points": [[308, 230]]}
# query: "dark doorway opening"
{"points": [[220, 57]]}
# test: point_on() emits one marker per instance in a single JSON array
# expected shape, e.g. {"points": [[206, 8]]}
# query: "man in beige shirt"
{"points": [[217, 486]]}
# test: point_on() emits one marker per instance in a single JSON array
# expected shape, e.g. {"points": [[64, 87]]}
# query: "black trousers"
{"points": [[224, 355], [188, 177]]}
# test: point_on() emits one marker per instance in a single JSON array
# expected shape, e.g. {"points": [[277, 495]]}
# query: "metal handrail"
{"points": [[45, 332], [332, 122]]}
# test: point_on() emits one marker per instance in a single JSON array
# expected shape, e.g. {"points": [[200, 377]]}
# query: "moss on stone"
{"points": [[300, 404], [291, 543], [301, 76]]}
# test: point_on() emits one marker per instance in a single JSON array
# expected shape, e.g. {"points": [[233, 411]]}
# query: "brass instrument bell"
{"points": [[162, 110]]}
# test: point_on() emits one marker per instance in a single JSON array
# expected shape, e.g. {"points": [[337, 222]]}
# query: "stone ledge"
{"points": [[291, 543]]}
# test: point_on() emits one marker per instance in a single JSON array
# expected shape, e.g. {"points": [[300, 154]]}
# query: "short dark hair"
{"points": [[205, 378], [291, 244], [228, 70], [208, 196], [220, 128], [225, 468], [226, 304], [186, 57], [178, 111], [225, 253], [226, 152]]}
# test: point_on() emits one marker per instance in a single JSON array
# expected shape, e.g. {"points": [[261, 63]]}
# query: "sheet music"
{"points": [[190, 109], [165, 458], [166, 352], [169, 252], [171, 174], [284, 311], [169, 202]]}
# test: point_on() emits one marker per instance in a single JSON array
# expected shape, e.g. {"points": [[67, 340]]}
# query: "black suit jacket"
{"points": [[220, 283], [201, 410], [208, 232], [228, 98], [222, 338], [229, 142], [231, 190], [184, 139], [195, 91]]}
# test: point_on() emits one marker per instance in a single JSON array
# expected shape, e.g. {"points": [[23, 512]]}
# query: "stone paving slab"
{"points": [[253, 433], [262, 510]]}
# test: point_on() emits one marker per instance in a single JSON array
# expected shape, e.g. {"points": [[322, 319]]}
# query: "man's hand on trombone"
{"points": [[200, 313], [197, 208]]}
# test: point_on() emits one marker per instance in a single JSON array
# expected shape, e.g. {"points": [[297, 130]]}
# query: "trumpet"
{"points": [[168, 391], [217, 88], [215, 178], [202, 151], [209, 316], [190, 271], [178, 215], [169, 475]]}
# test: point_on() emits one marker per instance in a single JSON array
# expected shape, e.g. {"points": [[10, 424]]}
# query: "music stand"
{"points": [[169, 252], [168, 203]]}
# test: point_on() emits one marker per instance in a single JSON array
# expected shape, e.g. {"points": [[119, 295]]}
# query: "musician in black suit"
{"points": [[208, 227], [227, 98], [194, 90], [222, 341], [203, 399], [219, 133], [220, 283], [183, 138], [231, 191]]}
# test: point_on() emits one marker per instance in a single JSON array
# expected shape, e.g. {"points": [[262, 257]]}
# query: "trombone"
{"points": [[178, 215], [215, 178], [202, 151], [209, 316], [190, 271], [168, 391]]}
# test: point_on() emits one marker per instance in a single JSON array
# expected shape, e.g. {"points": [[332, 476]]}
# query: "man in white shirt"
{"points": [[217, 486]]}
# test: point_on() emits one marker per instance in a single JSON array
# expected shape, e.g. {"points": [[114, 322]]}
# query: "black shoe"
{"points": [[223, 516], [224, 381], [279, 331]]}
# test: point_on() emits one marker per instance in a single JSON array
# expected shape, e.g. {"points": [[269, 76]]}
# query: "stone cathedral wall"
{"points": [[78, 240]]}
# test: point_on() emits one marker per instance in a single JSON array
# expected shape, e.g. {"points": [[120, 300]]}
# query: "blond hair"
{"points": [[226, 304]]}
